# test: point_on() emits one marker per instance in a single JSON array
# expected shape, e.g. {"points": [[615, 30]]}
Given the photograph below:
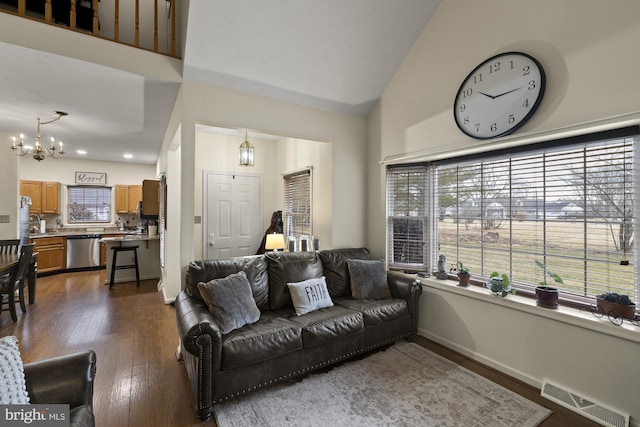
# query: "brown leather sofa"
{"points": [[67, 380], [281, 345]]}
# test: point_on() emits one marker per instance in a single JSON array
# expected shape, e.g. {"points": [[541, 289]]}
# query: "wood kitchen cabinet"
{"points": [[127, 198], [51, 253], [45, 196]]}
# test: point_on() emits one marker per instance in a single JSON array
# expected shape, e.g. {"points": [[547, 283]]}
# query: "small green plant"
{"points": [[616, 298], [556, 278], [460, 268], [500, 285]]}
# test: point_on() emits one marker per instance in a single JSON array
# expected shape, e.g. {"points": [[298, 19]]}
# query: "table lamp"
{"points": [[274, 242]]}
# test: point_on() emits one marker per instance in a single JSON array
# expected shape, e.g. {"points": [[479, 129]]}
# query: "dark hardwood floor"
{"points": [[139, 382]]}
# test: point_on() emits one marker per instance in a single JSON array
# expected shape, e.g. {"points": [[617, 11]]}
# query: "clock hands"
{"points": [[499, 95]]}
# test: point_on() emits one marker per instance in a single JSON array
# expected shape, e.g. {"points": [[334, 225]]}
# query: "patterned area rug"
{"points": [[404, 385]]}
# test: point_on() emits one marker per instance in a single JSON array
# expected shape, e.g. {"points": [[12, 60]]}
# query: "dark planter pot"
{"points": [[463, 279], [617, 310], [547, 297]]}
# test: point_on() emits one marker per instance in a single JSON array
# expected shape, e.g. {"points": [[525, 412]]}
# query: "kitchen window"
{"points": [[568, 204], [88, 204]]}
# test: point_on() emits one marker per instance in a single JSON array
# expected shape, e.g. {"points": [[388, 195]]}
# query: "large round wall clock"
{"points": [[499, 95]]}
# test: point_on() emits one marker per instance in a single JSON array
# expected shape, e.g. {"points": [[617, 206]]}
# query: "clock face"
{"points": [[499, 95]]}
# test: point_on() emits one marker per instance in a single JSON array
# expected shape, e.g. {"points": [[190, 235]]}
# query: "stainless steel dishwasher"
{"points": [[83, 251]]}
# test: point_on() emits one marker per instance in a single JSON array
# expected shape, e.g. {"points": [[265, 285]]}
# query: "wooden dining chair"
{"points": [[9, 246], [14, 283]]}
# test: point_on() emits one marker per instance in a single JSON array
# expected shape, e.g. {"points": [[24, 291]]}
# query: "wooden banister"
{"points": [[72, 15], [79, 18], [137, 33], [96, 21]]}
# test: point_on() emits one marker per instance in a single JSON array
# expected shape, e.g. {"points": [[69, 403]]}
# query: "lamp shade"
{"points": [[274, 241]]}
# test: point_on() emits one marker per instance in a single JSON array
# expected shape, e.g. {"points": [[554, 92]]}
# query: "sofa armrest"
{"points": [[198, 331], [64, 379], [404, 287], [408, 289]]}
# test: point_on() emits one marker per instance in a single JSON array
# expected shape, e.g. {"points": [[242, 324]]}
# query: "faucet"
{"points": [[34, 223]]}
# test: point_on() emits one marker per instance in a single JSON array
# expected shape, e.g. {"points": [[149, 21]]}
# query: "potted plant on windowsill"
{"points": [[547, 295], [614, 304], [500, 285], [463, 274]]}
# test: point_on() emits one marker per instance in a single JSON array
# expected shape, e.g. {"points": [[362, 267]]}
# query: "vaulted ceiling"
{"points": [[333, 54]]}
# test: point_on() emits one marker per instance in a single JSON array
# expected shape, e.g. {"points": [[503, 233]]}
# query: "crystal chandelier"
{"points": [[39, 152]]}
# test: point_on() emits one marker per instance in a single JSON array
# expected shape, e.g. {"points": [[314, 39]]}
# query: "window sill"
{"points": [[571, 316]]}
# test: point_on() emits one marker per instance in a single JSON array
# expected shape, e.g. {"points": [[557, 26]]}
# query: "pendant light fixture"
{"points": [[246, 152]]}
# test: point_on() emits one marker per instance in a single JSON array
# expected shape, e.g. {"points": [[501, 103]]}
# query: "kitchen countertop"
{"points": [[129, 237], [63, 233]]}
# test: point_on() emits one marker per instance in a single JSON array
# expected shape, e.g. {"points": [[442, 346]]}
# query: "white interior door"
{"points": [[233, 214]]}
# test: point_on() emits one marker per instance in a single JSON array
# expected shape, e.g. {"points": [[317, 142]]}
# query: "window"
{"points": [[407, 191], [296, 216], [88, 204], [568, 204]]}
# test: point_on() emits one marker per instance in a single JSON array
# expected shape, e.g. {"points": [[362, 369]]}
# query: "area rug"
{"points": [[404, 385]]}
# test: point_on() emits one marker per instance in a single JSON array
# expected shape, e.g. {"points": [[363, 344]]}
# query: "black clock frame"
{"points": [[525, 119]]}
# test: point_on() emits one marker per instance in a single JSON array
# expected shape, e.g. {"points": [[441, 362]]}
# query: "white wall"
{"points": [[63, 170], [589, 51], [9, 186], [298, 154], [219, 153], [274, 157], [211, 105]]}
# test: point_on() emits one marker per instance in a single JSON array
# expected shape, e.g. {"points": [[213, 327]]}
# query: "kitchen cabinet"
{"points": [[103, 248], [45, 196], [51, 253], [150, 197], [127, 198]]}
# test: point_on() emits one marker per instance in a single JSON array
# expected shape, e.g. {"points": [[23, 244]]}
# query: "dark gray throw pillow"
{"points": [[368, 279], [230, 301]]}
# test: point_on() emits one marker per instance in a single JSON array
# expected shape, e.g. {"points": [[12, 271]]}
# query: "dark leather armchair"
{"points": [[65, 379]]}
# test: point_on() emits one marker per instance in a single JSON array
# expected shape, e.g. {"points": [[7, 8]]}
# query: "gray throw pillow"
{"points": [[368, 279], [310, 295], [230, 301]]}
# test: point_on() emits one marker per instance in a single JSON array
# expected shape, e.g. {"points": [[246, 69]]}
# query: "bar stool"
{"points": [[115, 267]]}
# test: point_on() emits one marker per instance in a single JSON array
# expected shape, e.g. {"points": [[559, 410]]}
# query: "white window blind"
{"points": [[407, 196], [296, 215], [88, 204], [569, 207]]}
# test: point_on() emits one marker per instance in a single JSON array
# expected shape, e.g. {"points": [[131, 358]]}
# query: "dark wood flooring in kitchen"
{"points": [[139, 382]]}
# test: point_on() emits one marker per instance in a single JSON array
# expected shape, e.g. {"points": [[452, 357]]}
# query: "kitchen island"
{"points": [[148, 257]]}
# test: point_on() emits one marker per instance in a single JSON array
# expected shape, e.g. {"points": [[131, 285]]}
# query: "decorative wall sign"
{"points": [[91, 178]]}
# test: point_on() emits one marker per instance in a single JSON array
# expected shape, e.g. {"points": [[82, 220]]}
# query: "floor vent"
{"points": [[585, 406]]}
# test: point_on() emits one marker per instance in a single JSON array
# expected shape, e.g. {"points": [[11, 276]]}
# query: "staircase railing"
{"points": [[84, 16]]}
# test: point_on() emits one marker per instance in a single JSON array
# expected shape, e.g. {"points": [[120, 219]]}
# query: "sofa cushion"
{"points": [[376, 312], [328, 324], [289, 267], [254, 267], [230, 301], [368, 279], [334, 264], [269, 337], [309, 295]]}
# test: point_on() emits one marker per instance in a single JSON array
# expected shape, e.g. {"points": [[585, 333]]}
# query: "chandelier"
{"points": [[39, 152], [245, 152]]}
